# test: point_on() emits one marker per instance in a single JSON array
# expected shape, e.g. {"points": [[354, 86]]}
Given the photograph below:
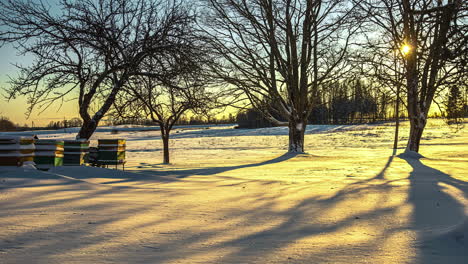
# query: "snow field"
{"points": [[233, 196]]}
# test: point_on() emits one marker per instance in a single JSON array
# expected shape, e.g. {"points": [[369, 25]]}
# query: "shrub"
{"points": [[6, 124]]}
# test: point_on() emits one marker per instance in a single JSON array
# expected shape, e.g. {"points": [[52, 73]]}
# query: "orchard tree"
{"points": [[432, 30], [279, 54], [431, 37], [164, 99], [163, 103], [87, 48]]}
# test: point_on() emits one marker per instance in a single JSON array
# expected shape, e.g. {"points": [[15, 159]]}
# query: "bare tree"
{"points": [[165, 98], [88, 48], [279, 54], [434, 36], [163, 103]]}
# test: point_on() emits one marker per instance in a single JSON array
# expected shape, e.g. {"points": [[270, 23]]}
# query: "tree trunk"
{"points": [[397, 127], [296, 135], [417, 112], [397, 118], [165, 139], [87, 129], [90, 123], [416, 130]]}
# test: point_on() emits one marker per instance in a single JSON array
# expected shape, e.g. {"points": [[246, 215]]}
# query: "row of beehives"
{"points": [[18, 151]]}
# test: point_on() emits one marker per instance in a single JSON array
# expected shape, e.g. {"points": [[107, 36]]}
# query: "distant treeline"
{"points": [[74, 122], [7, 125], [184, 120], [355, 103]]}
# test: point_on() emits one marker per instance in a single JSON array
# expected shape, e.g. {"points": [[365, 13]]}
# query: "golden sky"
{"points": [[15, 109]]}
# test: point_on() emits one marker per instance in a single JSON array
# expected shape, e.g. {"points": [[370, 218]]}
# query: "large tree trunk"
{"points": [[87, 129], [417, 118], [90, 123], [417, 111], [296, 135], [416, 130]]}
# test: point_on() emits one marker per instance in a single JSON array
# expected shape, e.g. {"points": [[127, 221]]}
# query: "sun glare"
{"points": [[405, 49]]}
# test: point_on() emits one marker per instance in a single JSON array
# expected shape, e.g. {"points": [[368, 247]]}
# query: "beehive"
{"points": [[49, 153], [111, 151], [16, 151], [75, 152]]}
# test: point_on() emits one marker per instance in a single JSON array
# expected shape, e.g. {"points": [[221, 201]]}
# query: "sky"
{"points": [[15, 109]]}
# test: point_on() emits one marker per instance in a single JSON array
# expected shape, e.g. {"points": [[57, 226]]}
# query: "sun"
{"points": [[405, 49]]}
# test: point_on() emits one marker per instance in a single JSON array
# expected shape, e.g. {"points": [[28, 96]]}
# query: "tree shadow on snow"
{"points": [[439, 240], [184, 173], [155, 174], [439, 218]]}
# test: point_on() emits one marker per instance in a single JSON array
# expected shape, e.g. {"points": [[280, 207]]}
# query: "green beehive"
{"points": [[111, 151], [75, 152], [16, 151], [49, 153]]}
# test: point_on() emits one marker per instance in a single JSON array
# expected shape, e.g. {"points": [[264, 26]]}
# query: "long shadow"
{"points": [[184, 173], [439, 218], [216, 170], [366, 184], [381, 174], [151, 175]]}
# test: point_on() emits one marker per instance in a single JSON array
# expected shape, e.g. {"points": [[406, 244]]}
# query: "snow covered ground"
{"points": [[233, 196]]}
